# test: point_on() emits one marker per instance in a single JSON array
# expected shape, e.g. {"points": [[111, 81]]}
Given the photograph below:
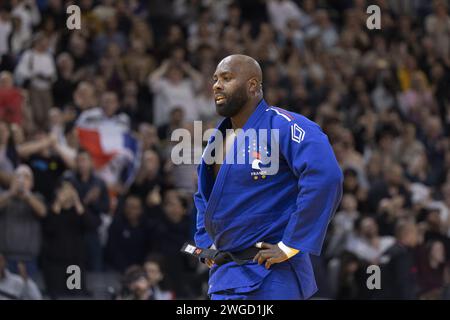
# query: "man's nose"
{"points": [[217, 86]]}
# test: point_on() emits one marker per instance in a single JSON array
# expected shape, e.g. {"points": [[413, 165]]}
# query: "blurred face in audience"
{"points": [[110, 103], [409, 235], [148, 135], [65, 62], [177, 116], [24, 177], [139, 287], [154, 273], [174, 74], [84, 95], [350, 180], [437, 252], [151, 162], [65, 195], [55, 117], [349, 203], [42, 44], [434, 219], [369, 228], [6, 80], [133, 209], [173, 207], [84, 163], [394, 175], [433, 127], [409, 132]]}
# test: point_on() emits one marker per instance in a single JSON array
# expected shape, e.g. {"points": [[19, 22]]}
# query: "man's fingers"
{"points": [[262, 256], [265, 245], [269, 262], [261, 259], [209, 262]]}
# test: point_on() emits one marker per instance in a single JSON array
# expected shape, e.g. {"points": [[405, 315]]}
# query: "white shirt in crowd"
{"points": [[33, 64], [364, 250], [169, 95], [280, 12], [13, 286]]}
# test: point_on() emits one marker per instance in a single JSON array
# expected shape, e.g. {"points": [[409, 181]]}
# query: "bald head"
{"points": [[237, 83], [246, 65]]}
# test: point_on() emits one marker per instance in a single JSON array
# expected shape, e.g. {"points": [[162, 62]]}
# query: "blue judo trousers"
{"points": [[245, 205]]}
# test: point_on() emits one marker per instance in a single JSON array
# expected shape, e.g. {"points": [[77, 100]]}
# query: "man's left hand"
{"points": [[271, 254]]}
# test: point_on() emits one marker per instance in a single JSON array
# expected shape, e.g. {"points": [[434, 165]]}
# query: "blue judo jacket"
{"points": [[243, 205]]}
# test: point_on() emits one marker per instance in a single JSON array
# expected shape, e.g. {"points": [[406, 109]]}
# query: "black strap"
{"points": [[220, 257]]}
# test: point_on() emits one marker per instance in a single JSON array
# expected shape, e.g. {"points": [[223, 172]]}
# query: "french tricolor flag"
{"points": [[114, 150]]}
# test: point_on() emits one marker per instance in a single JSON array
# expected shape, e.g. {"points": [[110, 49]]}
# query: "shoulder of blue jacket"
{"points": [[297, 126]]}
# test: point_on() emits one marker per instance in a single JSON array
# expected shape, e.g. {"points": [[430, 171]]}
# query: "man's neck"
{"points": [[239, 120]]}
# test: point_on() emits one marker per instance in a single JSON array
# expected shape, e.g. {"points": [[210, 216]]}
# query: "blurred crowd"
{"points": [[381, 96]]}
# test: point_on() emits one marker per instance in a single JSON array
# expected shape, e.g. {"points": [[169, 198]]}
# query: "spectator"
{"points": [[393, 183], [104, 120], [399, 280], [5, 31], [48, 161], [172, 89], [347, 283], [83, 99], [148, 184], [130, 238], [406, 146], [434, 228], [14, 287], [65, 229], [432, 272], [342, 225], [138, 64], [438, 26], [11, 100], [36, 71], [148, 135], [136, 285], [153, 269], [67, 77], [283, 11], [170, 235], [176, 120], [27, 16], [366, 243], [20, 229], [94, 196], [111, 35]]}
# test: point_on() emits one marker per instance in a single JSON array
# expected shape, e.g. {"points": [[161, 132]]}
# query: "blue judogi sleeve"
{"points": [[202, 239], [310, 156]]}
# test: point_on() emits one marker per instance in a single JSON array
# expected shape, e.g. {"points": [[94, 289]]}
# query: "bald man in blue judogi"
{"points": [[242, 204]]}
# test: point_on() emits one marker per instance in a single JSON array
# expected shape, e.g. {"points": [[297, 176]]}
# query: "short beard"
{"points": [[234, 103]]}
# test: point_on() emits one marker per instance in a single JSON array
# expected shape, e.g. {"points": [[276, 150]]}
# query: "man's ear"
{"points": [[254, 86]]}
